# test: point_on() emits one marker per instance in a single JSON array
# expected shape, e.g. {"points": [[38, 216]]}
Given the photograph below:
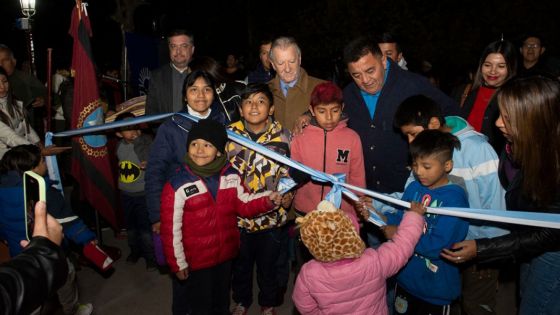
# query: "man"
{"points": [[371, 101], [533, 62], [165, 93], [390, 48], [263, 73], [292, 86], [26, 88]]}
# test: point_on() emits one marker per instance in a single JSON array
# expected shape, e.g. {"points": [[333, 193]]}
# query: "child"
{"points": [[132, 154], [199, 208], [263, 237], [327, 145], [476, 163], [14, 163], [428, 284], [343, 278]]}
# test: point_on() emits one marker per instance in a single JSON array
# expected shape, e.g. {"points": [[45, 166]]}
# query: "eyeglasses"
{"points": [[180, 46], [529, 46]]}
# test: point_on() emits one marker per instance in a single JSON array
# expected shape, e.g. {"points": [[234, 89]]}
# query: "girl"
{"points": [[497, 65], [199, 209], [530, 171], [343, 278]]}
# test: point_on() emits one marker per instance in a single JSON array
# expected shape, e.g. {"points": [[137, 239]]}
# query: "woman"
{"points": [[14, 126], [530, 171], [497, 65]]}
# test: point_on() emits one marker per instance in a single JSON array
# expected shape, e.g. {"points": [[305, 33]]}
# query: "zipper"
{"points": [[324, 161]]}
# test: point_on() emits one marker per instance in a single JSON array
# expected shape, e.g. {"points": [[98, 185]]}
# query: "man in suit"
{"points": [[165, 93]]}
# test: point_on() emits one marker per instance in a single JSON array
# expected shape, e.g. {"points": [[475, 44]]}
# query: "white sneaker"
{"points": [[84, 309]]}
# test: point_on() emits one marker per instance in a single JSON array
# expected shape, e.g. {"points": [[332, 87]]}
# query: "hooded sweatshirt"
{"points": [[336, 151]]}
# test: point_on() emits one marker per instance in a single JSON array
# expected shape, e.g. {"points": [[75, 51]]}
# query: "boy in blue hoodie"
{"points": [[476, 163], [428, 284]]}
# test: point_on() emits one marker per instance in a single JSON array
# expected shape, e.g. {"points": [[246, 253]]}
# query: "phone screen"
{"points": [[34, 190]]}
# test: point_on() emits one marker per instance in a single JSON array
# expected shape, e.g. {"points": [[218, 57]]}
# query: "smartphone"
{"points": [[34, 190]]}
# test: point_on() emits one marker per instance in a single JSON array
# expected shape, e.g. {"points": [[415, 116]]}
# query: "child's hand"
{"points": [[418, 208], [362, 207], [182, 274], [143, 165], [287, 199], [276, 198], [389, 231]]}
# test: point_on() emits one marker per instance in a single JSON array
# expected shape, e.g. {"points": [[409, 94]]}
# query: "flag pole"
{"points": [[49, 89]]}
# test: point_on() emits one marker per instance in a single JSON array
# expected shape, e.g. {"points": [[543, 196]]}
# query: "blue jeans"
{"points": [[540, 285]]}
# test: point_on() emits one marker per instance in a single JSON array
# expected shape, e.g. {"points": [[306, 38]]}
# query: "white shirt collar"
{"points": [[196, 114]]}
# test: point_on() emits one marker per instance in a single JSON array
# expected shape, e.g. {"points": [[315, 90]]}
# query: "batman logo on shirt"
{"points": [[128, 172]]}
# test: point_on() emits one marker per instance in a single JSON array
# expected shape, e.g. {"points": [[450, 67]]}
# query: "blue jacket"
{"points": [[385, 149], [12, 218], [167, 154], [426, 275], [477, 164]]}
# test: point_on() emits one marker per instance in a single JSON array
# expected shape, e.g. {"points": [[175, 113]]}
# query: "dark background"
{"points": [[449, 34]]}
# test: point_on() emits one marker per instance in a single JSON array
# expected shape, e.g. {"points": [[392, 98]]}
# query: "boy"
{"points": [[476, 163], [132, 154], [328, 145], [199, 207], [263, 237], [428, 284]]}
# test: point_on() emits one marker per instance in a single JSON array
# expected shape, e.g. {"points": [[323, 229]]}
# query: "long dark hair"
{"points": [[12, 108], [530, 109], [504, 48]]}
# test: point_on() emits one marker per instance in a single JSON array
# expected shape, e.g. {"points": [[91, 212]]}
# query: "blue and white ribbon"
{"points": [[538, 219]]}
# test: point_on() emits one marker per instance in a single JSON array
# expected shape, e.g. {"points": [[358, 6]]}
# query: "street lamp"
{"points": [[28, 7], [28, 10]]}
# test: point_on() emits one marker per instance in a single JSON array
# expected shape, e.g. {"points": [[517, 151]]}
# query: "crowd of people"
{"points": [[211, 210]]}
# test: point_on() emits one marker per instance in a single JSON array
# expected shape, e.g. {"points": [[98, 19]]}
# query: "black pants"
{"points": [[139, 228], [262, 248], [205, 292]]}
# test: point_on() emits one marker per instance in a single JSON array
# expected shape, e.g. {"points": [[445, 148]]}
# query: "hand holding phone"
{"points": [[34, 189]]}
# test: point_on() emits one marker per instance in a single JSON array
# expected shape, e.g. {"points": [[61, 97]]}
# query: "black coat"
{"points": [[385, 148], [523, 242], [31, 277]]}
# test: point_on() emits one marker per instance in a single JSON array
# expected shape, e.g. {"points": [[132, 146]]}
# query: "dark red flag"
{"points": [[90, 157]]}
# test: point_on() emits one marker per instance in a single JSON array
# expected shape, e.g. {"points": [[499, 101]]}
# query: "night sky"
{"points": [[450, 34]]}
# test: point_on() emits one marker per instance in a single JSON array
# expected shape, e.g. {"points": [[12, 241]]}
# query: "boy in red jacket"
{"points": [[199, 209]]}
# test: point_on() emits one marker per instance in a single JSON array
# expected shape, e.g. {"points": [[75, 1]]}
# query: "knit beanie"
{"points": [[211, 131], [329, 234]]}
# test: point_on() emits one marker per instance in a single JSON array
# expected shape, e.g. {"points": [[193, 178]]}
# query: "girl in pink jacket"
{"points": [[343, 278]]}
